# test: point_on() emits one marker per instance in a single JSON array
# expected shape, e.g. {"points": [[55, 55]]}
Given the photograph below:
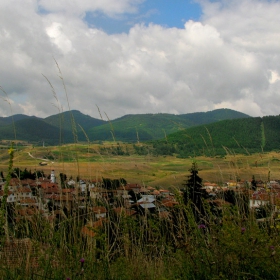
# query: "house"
{"points": [[27, 213], [210, 186], [124, 211], [155, 193], [147, 199], [101, 193], [133, 187], [22, 193], [11, 197], [60, 201], [100, 212], [164, 193], [28, 201], [89, 230], [147, 202], [264, 197]]}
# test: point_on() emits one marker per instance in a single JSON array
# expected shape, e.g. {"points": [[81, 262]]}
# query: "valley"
{"points": [[95, 161]]}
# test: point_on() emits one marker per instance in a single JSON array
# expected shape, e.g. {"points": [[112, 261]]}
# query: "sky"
{"points": [[108, 57]]}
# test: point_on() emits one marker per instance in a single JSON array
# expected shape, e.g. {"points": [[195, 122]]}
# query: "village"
{"points": [[92, 199]]}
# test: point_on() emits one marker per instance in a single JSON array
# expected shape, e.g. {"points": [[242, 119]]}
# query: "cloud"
{"points": [[230, 58]]}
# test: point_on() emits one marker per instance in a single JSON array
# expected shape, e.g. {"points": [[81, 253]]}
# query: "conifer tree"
{"points": [[253, 183], [2, 176], [193, 190]]}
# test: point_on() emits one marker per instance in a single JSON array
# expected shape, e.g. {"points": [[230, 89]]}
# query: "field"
{"points": [[94, 161]]}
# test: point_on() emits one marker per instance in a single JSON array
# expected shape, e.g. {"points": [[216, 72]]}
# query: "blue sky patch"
{"points": [[168, 13]]}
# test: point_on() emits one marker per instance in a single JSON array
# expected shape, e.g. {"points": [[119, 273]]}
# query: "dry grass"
{"points": [[149, 170]]}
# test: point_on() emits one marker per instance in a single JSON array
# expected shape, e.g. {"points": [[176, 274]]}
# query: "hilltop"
{"points": [[68, 126]]}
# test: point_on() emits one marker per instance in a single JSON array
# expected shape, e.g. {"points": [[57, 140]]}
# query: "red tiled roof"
{"points": [[23, 190], [208, 184], [88, 229], [219, 202], [41, 179], [68, 190], [45, 185], [53, 189], [132, 186], [169, 203], [99, 209], [2, 193], [122, 210], [25, 212], [164, 191], [27, 181], [58, 197], [28, 200], [156, 192]]}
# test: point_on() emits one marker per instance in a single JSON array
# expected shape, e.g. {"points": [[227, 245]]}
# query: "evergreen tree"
{"points": [[2, 176], [254, 184], [63, 178], [193, 190]]}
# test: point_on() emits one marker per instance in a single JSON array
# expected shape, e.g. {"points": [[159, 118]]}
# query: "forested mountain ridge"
{"points": [[81, 121], [68, 126], [249, 135], [144, 127]]}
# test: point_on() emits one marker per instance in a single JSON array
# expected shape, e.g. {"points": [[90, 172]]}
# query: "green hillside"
{"points": [[213, 116], [65, 120], [14, 118], [34, 130], [140, 127], [247, 135], [67, 126], [144, 127]]}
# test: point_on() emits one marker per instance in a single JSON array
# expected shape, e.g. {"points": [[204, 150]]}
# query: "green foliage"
{"points": [[2, 175], [113, 184], [225, 137], [26, 174], [63, 178], [163, 148], [116, 150], [263, 211], [141, 150], [4, 229], [194, 193]]}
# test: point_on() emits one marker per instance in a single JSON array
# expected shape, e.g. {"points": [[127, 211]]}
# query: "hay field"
{"points": [[86, 161]]}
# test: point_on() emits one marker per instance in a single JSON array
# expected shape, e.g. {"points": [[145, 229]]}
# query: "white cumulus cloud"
{"points": [[230, 58]]}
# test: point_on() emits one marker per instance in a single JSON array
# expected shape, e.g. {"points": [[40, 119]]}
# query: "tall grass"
{"points": [[231, 245]]}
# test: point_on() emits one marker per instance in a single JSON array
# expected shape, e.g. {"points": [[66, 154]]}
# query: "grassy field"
{"points": [[87, 161]]}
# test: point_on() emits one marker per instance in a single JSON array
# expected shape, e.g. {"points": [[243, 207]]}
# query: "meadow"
{"points": [[94, 161]]}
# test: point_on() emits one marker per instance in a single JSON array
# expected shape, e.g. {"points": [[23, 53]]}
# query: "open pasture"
{"points": [[90, 161]]}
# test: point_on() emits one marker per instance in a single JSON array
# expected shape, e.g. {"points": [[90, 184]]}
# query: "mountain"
{"points": [[64, 127], [213, 116], [64, 120], [33, 130], [248, 135], [14, 118], [145, 127]]}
